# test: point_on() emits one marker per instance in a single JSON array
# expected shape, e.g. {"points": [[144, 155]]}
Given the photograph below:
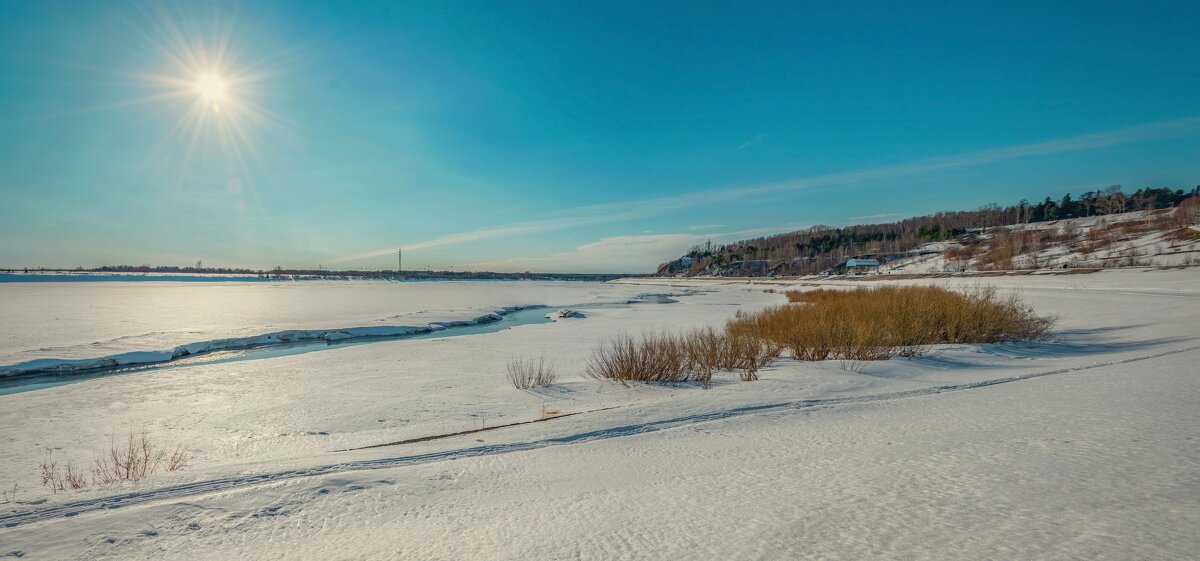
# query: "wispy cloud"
{"points": [[632, 209], [757, 138], [705, 226], [875, 216], [616, 253], [1140, 133], [490, 233], [631, 254]]}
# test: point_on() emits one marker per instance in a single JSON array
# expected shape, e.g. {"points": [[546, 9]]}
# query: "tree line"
{"points": [[822, 247]]}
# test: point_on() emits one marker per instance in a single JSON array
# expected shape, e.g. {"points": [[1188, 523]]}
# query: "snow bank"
{"points": [[289, 336], [566, 313]]}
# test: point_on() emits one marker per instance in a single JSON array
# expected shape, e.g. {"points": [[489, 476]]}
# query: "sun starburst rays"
{"points": [[218, 97]]}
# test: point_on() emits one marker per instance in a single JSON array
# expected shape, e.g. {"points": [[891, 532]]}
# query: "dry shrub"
{"points": [[653, 358], [693, 356], [1160, 221], [60, 480], [704, 351], [525, 373], [747, 353], [50, 475], [1001, 251], [963, 253], [1187, 213], [877, 324], [74, 477], [1184, 235], [178, 459], [815, 296], [851, 326], [709, 351], [135, 457]]}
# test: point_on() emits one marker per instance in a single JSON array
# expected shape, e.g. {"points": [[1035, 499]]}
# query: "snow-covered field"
{"points": [[1084, 447]]}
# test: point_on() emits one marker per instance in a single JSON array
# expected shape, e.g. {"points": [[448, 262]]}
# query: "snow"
{"points": [[566, 313], [1153, 245], [45, 365], [1083, 447], [71, 321]]}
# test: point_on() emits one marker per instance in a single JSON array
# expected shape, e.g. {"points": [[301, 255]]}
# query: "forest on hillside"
{"points": [[820, 248]]}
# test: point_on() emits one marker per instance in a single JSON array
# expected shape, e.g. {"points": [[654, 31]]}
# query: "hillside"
{"points": [[1153, 226]]}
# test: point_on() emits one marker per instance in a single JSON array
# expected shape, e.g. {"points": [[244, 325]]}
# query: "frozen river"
{"points": [[49, 320]]}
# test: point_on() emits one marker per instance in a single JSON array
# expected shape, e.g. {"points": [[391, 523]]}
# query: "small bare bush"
{"points": [[747, 353], [74, 477], [50, 475], [693, 356], [134, 457], [525, 373], [1187, 213], [653, 358], [178, 459], [705, 351], [70, 477]]}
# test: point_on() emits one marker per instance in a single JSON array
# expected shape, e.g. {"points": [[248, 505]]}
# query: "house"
{"points": [[859, 265]]}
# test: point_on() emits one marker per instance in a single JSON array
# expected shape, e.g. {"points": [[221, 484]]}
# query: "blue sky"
{"points": [[562, 136]]}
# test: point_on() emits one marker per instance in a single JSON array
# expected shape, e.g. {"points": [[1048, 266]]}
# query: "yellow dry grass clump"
{"points": [[852, 326], [692, 356], [879, 323]]}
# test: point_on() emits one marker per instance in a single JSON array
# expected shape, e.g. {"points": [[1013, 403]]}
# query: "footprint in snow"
{"points": [[271, 511]]}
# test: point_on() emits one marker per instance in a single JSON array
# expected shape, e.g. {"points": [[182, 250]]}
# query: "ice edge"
{"points": [[135, 358]]}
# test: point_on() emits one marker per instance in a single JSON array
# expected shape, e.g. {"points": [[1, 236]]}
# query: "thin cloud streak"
{"points": [[489, 233], [625, 253], [875, 216], [628, 210], [1141, 133], [757, 138]]}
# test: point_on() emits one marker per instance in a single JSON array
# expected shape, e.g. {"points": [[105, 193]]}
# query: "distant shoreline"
{"points": [[415, 276]]}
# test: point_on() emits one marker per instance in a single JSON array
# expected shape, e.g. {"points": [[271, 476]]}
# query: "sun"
{"points": [[220, 95], [211, 88]]}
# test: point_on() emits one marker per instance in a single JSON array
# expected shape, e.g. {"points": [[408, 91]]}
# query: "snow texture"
{"points": [[1083, 447]]}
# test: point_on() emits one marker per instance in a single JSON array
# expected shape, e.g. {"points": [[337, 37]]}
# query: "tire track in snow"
{"points": [[13, 519]]}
